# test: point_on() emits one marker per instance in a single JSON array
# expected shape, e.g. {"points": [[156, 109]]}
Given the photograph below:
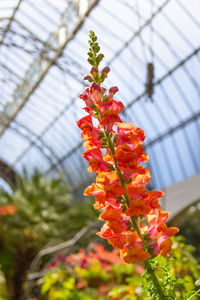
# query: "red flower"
{"points": [[89, 132], [112, 91], [85, 96], [95, 92], [158, 230], [129, 134], [95, 159], [109, 111]]}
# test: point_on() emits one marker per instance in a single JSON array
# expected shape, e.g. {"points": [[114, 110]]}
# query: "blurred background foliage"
{"points": [[46, 215], [190, 227], [99, 274]]}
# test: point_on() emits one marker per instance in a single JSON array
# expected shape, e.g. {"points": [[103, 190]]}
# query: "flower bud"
{"points": [[91, 61], [99, 57], [105, 71], [94, 72], [113, 90], [88, 77], [91, 33]]}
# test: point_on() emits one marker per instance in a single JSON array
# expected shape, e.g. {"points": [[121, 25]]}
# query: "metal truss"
{"points": [[36, 65]]}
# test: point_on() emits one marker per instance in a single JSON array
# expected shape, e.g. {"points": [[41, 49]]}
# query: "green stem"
{"points": [[135, 224], [154, 279], [147, 263], [194, 294]]}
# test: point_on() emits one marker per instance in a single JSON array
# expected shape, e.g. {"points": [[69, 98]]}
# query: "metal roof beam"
{"points": [[10, 22], [58, 53], [10, 71], [184, 123], [138, 32]]}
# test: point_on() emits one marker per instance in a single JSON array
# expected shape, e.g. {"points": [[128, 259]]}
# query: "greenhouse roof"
{"points": [[152, 48]]}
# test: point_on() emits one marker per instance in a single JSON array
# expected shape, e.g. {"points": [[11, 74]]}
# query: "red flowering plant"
{"points": [[95, 273], [134, 220]]}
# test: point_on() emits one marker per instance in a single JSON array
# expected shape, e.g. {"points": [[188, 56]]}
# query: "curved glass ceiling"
{"points": [[42, 63]]}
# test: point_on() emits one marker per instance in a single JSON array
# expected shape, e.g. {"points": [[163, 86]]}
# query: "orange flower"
{"points": [[109, 181], [138, 207], [140, 178], [152, 199], [107, 157], [110, 110], [129, 159], [93, 190], [85, 122], [132, 238], [111, 212], [165, 247], [95, 159], [157, 219], [91, 143], [117, 240], [109, 121], [102, 201], [7, 210], [117, 225], [134, 255], [129, 134], [107, 177], [89, 132], [168, 231], [158, 230], [95, 92]]}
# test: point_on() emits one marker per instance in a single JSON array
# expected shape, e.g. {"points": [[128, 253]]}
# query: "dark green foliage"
{"points": [[190, 227], [46, 215], [177, 275]]}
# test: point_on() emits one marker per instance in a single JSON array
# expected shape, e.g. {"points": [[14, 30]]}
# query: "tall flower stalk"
{"points": [[134, 220]]}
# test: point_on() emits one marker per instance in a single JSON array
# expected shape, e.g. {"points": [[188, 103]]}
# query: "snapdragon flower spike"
{"points": [[134, 220]]}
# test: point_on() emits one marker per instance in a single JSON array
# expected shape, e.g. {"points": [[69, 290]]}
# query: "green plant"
{"points": [[101, 274], [46, 214]]}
